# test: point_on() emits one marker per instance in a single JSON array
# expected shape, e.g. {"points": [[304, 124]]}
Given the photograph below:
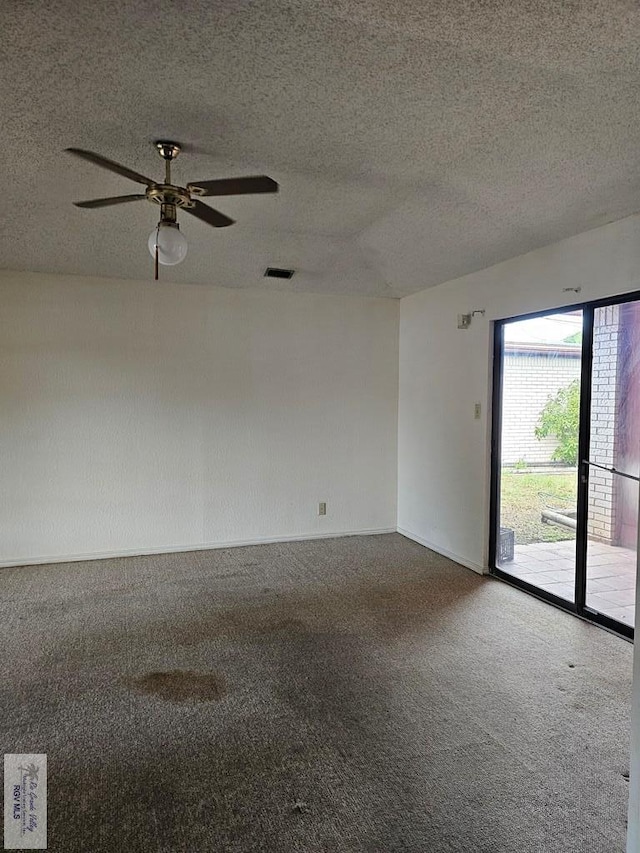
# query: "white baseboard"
{"points": [[455, 557], [177, 549]]}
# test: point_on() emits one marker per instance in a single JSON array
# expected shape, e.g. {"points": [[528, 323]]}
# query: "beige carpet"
{"points": [[357, 694]]}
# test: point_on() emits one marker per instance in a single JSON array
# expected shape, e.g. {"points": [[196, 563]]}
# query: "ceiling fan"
{"points": [[166, 243]]}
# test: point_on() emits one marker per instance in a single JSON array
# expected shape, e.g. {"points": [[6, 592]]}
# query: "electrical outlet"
{"points": [[322, 508], [477, 411]]}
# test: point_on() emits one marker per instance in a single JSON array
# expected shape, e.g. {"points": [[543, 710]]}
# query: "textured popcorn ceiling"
{"points": [[413, 142]]}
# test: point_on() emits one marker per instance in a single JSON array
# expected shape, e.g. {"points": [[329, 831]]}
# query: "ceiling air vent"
{"points": [[276, 272]]}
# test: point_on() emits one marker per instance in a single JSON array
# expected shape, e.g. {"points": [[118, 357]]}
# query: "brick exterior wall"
{"points": [[604, 390], [532, 374]]}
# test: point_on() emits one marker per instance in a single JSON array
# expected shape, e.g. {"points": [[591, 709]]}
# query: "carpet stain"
{"points": [[180, 686], [293, 625], [384, 610]]}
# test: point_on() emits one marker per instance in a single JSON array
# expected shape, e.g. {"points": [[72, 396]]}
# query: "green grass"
{"points": [[525, 494]]}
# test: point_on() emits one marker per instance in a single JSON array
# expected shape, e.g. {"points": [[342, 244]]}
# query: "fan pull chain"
{"points": [[155, 275]]}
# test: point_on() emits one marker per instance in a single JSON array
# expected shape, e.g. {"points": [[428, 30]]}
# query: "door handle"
{"points": [[611, 470]]}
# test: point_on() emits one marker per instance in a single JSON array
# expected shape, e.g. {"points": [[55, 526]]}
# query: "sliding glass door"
{"points": [[541, 369], [566, 458], [613, 462]]}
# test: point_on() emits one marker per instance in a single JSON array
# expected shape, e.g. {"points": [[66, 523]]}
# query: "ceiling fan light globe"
{"points": [[171, 242]]}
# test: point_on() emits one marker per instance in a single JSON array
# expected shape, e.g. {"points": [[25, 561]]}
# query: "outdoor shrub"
{"points": [[560, 418]]}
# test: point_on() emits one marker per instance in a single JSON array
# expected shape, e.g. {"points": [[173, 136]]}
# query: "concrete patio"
{"points": [[611, 574]]}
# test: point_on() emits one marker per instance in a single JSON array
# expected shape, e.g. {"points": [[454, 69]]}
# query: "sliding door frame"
{"points": [[578, 606]]}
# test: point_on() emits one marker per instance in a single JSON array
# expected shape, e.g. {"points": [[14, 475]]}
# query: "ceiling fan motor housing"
{"points": [[169, 195]]}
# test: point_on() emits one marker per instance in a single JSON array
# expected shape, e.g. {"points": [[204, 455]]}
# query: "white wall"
{"points": [[443, 453], [140, 417], [633, 832]]}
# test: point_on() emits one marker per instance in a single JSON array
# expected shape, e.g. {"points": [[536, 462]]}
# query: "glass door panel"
{"points": [[537, 500], [612, 503]]}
